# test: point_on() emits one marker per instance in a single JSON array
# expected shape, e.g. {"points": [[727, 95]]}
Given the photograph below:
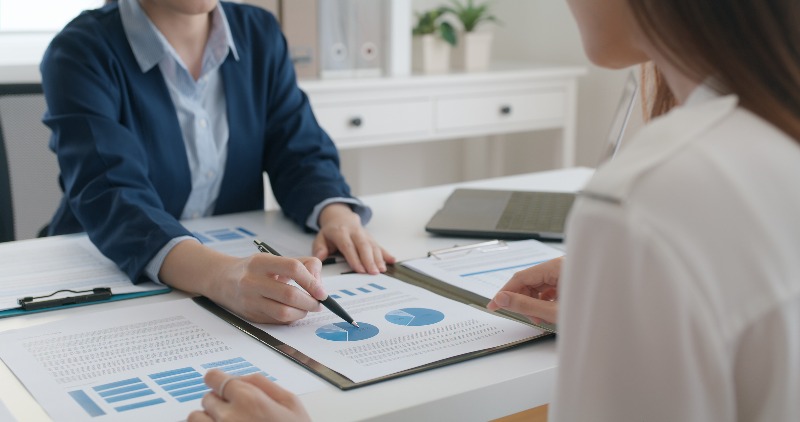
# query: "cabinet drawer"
{"points": [[353, 122], [498, 109]]}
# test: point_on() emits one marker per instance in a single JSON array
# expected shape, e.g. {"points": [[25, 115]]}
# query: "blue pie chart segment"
{"points": [[343, 331], [414, 317]]}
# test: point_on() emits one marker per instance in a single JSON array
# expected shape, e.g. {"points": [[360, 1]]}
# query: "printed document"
{"points": [[235, 238], [40, 267], [5, 415], [401, 327], [484, 270], [137, 363]]}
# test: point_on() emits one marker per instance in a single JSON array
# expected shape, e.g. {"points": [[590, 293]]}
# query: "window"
{"points": [[27, 26], [41, 15]]}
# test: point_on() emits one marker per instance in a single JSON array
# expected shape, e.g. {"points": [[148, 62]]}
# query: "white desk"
{"points": [[479, 389]]}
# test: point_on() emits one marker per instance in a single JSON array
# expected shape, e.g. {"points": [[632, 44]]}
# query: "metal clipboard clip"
{"points": [[30, 303], [490, 246]]}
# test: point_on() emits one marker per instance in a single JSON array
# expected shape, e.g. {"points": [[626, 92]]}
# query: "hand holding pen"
{"points": [[328, 302]]}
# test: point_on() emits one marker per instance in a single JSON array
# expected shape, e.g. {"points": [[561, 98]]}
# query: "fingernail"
{"points": [[502, 299]]}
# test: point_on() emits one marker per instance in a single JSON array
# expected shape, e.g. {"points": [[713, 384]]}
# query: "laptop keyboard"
{"points": [[540, 212]]}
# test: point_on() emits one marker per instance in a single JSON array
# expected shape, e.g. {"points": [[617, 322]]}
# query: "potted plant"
{"points": [[432, 41], [474, 50]]}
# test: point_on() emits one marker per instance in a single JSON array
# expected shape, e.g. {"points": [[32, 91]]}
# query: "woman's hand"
{"points": [[341, 231], [532, 292], [255, 287], [248, 398]]}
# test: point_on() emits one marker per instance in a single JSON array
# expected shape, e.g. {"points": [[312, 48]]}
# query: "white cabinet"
{"points": [[506, 99], [365, 121]]}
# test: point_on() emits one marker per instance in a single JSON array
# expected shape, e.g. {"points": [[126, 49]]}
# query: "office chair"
{"points": [[29, 190]]}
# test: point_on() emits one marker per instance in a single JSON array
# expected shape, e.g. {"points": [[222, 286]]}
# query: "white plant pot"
{"points": [[473, 51], [431, 54]]}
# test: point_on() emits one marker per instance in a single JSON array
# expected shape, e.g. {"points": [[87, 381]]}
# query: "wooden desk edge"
{"points": [[537, 414]]}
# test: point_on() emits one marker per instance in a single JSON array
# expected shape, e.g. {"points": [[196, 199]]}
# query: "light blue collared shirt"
{"points": [[201, 110]]}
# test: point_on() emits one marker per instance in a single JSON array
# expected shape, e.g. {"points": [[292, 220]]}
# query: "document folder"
{"points": [[342, 381]]}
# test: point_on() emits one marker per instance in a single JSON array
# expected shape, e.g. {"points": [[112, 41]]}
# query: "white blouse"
{"points": [[680, 293]]}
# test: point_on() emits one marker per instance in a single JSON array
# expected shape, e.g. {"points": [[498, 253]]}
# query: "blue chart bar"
{"points": [[117, 384], [238, 367], [182, 377], [369, 288], [135, 394], [130, 392], [223, 363], [180, 384], [126, 389], [494, 270], [184, 384], [138, 405], [172, 372], [201, 238], [246, 232], [224, 234], [86, 403]]}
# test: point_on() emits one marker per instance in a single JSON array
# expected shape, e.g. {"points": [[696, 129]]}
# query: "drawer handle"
{"points": [[505, 110], [356, 122]]}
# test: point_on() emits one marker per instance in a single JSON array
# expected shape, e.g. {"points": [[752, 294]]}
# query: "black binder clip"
{"points": [[31, 303]]}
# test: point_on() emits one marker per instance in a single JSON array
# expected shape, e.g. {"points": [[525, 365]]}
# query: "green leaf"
{"points": [[448, 33]]}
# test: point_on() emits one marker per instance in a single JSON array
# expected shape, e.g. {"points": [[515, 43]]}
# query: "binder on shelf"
{"points": [[299, 20], [369, 41], [336, 38]]}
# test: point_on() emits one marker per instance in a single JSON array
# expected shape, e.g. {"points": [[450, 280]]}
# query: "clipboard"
{"points": [[339, 380], [454, 292], [36, 304], [73, 274]]}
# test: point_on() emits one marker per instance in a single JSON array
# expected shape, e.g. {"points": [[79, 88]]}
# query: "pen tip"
{"points": [[356, 324]]}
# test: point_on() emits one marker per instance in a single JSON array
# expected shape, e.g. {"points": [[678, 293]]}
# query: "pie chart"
{"points": [[414, 317], [343, 331]]}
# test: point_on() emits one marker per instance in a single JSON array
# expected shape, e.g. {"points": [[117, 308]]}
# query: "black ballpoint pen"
{"points": [[329, 303]]}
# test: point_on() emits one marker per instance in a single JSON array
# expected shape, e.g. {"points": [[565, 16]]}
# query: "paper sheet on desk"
{"points": [[137, 363], [237, 239], [5, 415], [484, 271], [40, 267], [402, 327]]}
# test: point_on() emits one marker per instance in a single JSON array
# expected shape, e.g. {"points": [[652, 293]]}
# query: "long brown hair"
{"points": [[750, 47]]}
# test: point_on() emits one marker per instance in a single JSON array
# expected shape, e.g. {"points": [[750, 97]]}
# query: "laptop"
{"points": [[504, 214]]}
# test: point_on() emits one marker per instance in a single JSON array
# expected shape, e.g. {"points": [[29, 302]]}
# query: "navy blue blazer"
{"points": [[124, 170]]}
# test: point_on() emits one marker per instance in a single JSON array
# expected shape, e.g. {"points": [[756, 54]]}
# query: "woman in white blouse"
{"points": [[680, 293]]}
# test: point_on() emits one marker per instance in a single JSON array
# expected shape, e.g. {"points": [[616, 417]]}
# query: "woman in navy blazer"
{"points": [[126, 172]]}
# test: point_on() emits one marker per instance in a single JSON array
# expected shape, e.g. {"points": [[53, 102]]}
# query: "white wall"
{"points": [[543, 30]]}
